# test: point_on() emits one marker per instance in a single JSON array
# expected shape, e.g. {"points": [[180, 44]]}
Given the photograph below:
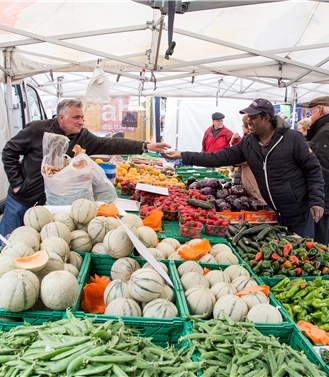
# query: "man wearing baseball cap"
{"points": [[287, 172], [318, 139], [218, 136]]}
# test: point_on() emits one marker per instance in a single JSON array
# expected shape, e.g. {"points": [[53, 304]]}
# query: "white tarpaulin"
{"points": [[188, 118], [273, 49]]}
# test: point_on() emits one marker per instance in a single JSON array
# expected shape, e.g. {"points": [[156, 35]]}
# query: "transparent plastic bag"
{"points": [[71, 183], [54, 147]]}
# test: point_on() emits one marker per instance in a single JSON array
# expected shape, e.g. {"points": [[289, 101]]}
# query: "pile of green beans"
{"points": [[74, 347], [238, 349]]}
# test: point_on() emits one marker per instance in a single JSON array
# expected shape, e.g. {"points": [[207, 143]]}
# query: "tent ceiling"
{"points": [[234, 49]]}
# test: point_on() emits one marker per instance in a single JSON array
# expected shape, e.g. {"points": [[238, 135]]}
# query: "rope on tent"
{"points": [[218, 91]]}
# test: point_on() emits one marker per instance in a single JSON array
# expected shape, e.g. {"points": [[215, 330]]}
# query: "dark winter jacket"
{"points": [[211, 143], [289, 177], [318, 136], [28, 143]]}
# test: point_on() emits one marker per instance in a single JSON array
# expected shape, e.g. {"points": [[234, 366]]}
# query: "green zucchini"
{"points": [[196, 203], [263, 233]]}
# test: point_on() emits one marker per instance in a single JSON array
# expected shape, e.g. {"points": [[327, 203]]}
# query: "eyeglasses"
{"points": [[313, 108]]}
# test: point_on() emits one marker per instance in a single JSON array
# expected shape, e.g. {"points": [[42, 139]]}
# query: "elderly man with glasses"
{"points": [[318, 139]]}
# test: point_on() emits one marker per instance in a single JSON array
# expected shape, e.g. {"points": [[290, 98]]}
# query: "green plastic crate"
{"points": [[287, 321], [166, 329], [37, 317], [200, 173]]}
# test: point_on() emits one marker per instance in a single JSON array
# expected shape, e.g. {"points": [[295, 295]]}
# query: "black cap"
{"points": [[259, 105], [217, 116]]}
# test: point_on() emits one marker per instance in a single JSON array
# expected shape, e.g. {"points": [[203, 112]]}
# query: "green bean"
{"points": [[210, 372], [250, 356], [280, 372], [77, 362], [5, 358], [118, 371], [6, 351], [92, 371], [272, 362], [27, 372], [291, 372], [112, 359]]}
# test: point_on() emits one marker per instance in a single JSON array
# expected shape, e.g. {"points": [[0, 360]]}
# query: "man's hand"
{"points": [[171, 155], [316, 212], [157, 147]]}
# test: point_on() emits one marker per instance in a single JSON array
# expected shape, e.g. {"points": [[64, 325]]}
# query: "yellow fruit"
{"points": [[99, 161]]}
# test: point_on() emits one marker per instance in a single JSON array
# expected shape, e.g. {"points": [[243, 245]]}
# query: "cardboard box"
{"points": [[232, 216], [261, 216]]}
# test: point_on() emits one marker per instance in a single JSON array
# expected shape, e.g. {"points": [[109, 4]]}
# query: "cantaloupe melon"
{"points": [[56, 229], [123, 307], [98, 248], [145, 285], [200, 300], [191, 279], [223, 288], [37, 217], [217, 276], [56, 245], [33, 263], [55, 263], [208, 258], [167, 293], [59, 290], [132, 220], [117, 243], [147, 236], [194, 241], [80, 241], [263, 313], [242, 282], [66, 219], [26, 237], [19, 290], [219, 247], [148, 265], [75, 259], [116, 289], [79, 226], [232, 305], [235, 271], [175, 256], [97, 229], [6, 263], [112, 222], [172, 241], [156, 253], [83, 210], [166, 248], [18, 250], [123, 268], [70, 268], [189, 266], [26, 228], [254, 298], [226, 257], [160, 308]]}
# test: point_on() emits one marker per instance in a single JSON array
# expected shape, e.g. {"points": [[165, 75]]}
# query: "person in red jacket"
{"points": [[218, 136]]}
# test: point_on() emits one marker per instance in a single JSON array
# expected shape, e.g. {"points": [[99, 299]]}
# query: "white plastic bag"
{"points": [[71, 183], [103, 189]]}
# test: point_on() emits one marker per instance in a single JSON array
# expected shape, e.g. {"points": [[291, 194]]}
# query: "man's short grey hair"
{"points": [[326, 110], [65, 104]]}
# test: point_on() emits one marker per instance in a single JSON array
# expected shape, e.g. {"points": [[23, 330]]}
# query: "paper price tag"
{"points": [[141, 248]]}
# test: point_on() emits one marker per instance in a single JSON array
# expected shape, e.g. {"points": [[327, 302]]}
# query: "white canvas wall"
{"points": [[188, 118]]}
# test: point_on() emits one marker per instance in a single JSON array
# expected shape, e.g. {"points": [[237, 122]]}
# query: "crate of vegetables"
{"points": [[238, 349], [210, 289], [142, 299]]}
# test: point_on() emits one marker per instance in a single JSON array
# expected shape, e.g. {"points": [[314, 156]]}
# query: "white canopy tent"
{"points": [[224, 49]]}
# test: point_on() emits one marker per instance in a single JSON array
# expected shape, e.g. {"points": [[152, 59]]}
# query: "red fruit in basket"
{"points": [[209, 222], [225, 223], [218, 222], [198, 224]]}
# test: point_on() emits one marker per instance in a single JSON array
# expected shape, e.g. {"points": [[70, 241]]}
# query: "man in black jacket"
{"points": [[26, 185], [286, 170], [318, 139]]}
